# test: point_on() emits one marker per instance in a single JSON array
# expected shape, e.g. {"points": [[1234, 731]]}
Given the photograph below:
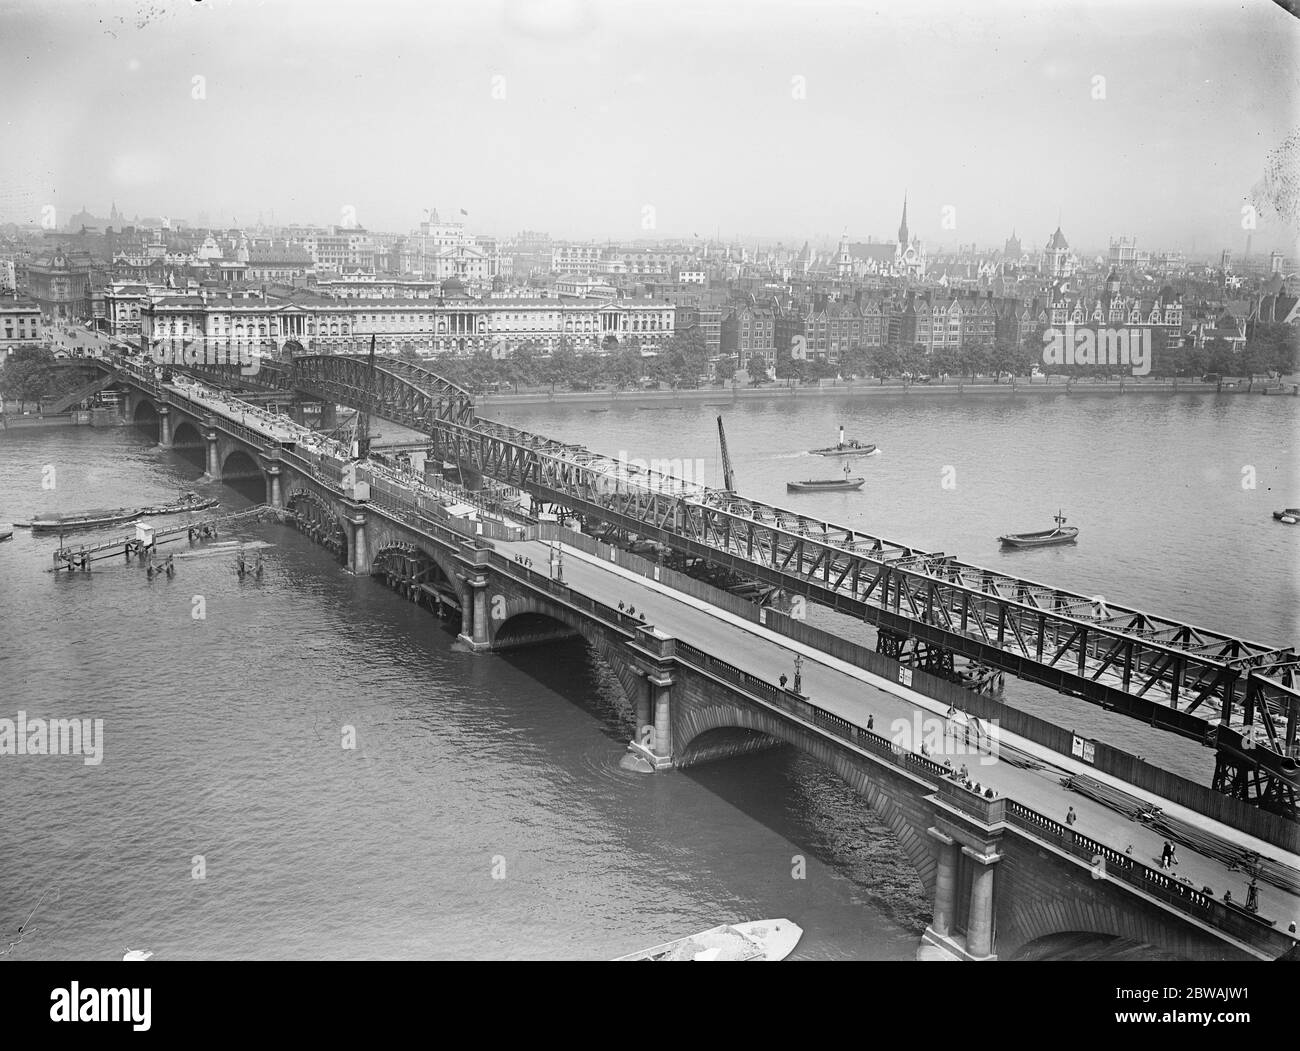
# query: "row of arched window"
{"points": [[239, 330]]}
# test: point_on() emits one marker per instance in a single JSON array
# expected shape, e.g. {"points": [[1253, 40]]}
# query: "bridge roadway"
{"points": [[1189, 680], [854, 694], [1180, 677], [844, 691]]}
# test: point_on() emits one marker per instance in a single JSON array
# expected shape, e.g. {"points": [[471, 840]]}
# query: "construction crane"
{"points": [[728, 475], [363, 417]]}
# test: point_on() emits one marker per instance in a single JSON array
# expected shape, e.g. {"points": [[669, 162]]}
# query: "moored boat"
{"points": [[1290, 515], [54, 523], [190, 502], [758, 940], [1062, 534], [818, 485], [6, 532], [846, 447]]}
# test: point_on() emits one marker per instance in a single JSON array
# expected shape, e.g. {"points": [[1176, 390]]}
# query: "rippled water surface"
{"points": [[223, 734]]}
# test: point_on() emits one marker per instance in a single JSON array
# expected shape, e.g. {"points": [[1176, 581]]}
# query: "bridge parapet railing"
{"points": [[937, 771], [729, 672], [989, 811], [663, 646], [226, 423], [543, 582], [1194, 902], [1019, 814], [1124, 868], [1231, 920], [138, 376], [617, 616]]}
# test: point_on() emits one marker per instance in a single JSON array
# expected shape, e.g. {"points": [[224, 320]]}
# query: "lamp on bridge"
{"points": [[798, 673]]}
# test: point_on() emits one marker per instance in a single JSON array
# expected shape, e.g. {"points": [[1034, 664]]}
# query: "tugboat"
{"points": [[768, 940], [852, 447], [1062, 534], [1290, 516], [818, 485]]}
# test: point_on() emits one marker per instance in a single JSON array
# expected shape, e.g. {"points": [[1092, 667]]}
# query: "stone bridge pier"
{"points": [[996, 885], [222, 456], [999, 876]]}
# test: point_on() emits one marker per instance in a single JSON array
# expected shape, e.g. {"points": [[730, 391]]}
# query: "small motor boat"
{"points": [[1290, 516], [758, 940]]}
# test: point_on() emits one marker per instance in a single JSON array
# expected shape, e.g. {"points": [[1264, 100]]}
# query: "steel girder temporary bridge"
{"points": [[397, 390], [1200, 683], [1194, 681]]}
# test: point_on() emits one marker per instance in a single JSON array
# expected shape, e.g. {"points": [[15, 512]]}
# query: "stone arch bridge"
{"points": [[1001, 876]]}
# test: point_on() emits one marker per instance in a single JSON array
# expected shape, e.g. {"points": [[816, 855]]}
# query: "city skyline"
{"points": [[636, 121]]}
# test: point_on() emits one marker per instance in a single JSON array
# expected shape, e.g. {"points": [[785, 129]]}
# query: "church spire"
{"points": [[902, 228]]}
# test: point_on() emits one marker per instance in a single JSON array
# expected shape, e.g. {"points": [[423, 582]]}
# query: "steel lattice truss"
{"points": [[401, 391], [1181, 677], [1119, 657]]}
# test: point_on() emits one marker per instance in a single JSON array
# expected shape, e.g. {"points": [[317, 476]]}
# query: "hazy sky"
{"points": [[603, 107]]}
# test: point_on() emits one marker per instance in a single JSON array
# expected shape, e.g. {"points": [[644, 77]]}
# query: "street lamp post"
{"points": [[798, 673]]}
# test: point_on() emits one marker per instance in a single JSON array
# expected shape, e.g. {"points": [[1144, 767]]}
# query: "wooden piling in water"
{"points": [[69, 558]]}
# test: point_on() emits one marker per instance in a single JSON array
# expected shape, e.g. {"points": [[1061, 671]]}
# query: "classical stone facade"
{"points": [[454, 323], [60, 285], [20, 322]]}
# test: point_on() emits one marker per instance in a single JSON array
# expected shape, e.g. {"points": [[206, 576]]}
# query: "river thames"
{"points": [[483, 812]]}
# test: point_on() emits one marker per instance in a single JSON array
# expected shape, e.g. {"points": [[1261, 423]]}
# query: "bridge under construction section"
{"points": [[1239, 696]]}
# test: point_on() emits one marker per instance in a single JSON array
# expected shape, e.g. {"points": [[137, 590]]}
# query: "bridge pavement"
{"points": [[854, 694], [278, 428]]}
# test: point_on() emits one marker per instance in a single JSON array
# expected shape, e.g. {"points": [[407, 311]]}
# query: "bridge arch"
{"points": [[405, 566], [145, 417], [241, 472], [514, 620], [1090, 945], [186, 433], [189, 442], [1055, 904], [314, 517], [696, 725]]}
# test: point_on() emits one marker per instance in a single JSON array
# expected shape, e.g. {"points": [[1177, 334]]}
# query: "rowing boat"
{"points": [[758, 940]]}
